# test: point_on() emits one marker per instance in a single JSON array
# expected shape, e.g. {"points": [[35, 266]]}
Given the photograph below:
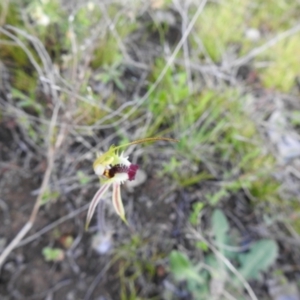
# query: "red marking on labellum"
{"points": [[130, 171]]}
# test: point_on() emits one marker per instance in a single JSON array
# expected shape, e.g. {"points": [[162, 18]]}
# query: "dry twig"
{"points": [[50, 159], [49, 138], [228, 264]]}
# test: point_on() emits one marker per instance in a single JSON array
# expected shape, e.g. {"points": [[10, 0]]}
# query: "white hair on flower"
{"points": [[117, 169]]}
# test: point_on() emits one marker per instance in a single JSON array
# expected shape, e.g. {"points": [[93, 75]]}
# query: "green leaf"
{"points": [[182, 268], [261, 256], [53, 254], [202, 245], [83, 178], [119, 84], [295, 117], [197, 207], [26, 101], [220, 226], [180, 264], [214, 199], [49, 196]]}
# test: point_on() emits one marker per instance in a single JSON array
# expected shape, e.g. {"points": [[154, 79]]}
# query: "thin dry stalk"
{"points": [[183, 9], [267, 45], [51, 226], [228, 264], [137, 103], [26, 50], [4, 10], [45, 58], [51, 148], [50, 159]]}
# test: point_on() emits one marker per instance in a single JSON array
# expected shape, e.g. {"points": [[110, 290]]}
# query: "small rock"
{"points": [[287, 291], [285, 140], [252, 34]]}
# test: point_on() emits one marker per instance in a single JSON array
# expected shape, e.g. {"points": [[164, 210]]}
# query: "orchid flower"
{"points": [[116, 169]]}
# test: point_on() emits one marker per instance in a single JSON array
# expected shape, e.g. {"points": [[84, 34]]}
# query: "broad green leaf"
{"points": [[220, 229], [261, 256], [220, 226], [180, 264]]}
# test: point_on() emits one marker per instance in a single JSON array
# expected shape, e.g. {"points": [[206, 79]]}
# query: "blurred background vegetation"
{"points": [[215, 216]]}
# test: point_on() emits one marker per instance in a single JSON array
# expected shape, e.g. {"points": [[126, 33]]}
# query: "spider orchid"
{"points": [[116, 169]]}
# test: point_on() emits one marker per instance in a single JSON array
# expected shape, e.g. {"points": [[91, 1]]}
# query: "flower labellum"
{"points": [[116, 169]]}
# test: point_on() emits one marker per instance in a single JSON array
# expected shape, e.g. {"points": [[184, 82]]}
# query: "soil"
{"points": [[85, 274], [157, 218], [27, 275]]}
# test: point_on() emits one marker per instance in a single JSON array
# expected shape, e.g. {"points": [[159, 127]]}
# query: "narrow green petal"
{"points": [[117, 201]]}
